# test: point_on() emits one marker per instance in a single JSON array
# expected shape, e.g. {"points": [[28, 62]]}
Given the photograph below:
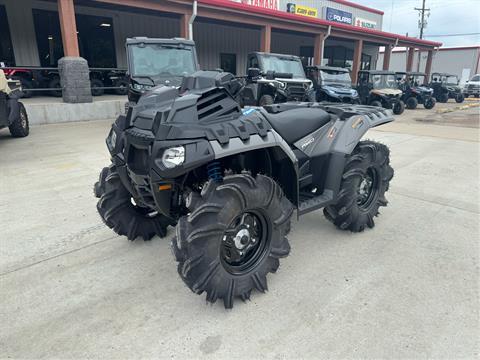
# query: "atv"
{"points": [[275, 78], [379, 88], [445, 86], [332, 84], [12, 112], [230, 179], [153, 62], [414, 92]]}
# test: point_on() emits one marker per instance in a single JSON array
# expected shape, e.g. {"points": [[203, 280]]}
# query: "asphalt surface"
{"points": [[71, 288]]}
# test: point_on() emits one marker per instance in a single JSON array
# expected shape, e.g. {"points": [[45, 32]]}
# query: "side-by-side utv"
{"points": [[332, 84], [445, 86], [153, 62], [231, 178], [275, 78], [380, 88], [414, 90], [12, 112]]}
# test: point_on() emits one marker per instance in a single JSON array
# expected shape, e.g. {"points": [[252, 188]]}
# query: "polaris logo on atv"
{"points": [[308, 142]]}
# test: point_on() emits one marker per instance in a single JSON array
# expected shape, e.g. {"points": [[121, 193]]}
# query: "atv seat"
{"points": [[294, 124]]}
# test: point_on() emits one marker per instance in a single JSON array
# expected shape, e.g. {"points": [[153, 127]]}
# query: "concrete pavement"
{"points": [[71, 288]]}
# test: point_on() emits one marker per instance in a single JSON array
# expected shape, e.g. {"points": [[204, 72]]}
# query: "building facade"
{"points": [[40, 32]]}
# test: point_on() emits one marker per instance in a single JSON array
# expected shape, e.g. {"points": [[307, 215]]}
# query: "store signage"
{"points": [[302, 10], [369, 24], [265, 4], [338, 16]]}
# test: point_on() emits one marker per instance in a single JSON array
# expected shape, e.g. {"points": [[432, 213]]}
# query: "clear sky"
{"points": [[446, 17]]}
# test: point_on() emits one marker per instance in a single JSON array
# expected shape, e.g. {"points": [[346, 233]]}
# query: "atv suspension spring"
{"points": [[214, 171]]}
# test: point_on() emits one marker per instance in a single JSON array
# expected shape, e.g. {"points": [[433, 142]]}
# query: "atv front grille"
{"points": [[296, 91]]}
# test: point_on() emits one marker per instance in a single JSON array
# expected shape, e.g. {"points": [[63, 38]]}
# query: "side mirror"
{"points": [[253, 72]]}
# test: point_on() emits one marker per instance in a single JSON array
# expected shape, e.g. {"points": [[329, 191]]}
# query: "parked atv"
{"points": [[445, 86], [414, 90], [231, 179], [12, 112], [275, 78], [153, 62], [379, 88], [332, 84]]}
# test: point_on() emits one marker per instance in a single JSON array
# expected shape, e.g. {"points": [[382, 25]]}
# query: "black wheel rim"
{"points": [[367, 189], [244, 243]]}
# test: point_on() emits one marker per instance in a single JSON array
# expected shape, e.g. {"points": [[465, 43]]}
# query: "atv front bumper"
{"points": [[138, 159]]}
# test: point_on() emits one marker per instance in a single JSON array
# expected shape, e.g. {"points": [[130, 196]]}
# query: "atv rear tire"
{"points": [[20, 126], [429, 103], [265, 100], [376, 103], [55, 85], [442, 98], [399, 107], [365, 180], [411, 103], [459, 98], [233, 237], [120, 214], [96, 86]]}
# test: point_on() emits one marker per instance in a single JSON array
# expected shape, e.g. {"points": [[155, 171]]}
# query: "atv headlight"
{"points": [[354, 93], [113, 139], [137, 86], [173, 157]]}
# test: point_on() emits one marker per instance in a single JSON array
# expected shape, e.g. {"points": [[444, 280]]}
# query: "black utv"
{"points": [[380, 88], [275, 78], [414, 90], [12, 112], [332, 84], [153, 62], [230, 179], [445, 86]]}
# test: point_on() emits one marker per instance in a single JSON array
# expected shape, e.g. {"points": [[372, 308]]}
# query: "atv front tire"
{"points": [[119, 213], [365, 180], [376, 103], [233, 237], [411, 103], [429, 103], [399, 107], [459, 98], [20, 126]]}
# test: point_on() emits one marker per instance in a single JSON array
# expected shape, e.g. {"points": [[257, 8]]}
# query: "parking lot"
{"points": [[71, 288]]}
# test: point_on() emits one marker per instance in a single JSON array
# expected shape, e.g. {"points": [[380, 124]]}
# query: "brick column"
{"points": [[184, 25], [386, 57], [68, 26], [357, 59], [318, 49], [73, 70], [428, 66], [266, 38], [410, 54]]}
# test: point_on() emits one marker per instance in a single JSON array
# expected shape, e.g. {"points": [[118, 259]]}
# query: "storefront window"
{"points": [[6, 48], [95, 39]]}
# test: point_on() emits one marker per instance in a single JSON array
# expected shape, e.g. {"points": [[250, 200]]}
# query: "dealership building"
{"points": [[332, 32]]}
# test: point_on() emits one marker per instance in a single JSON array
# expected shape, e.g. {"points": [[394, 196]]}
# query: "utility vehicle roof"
{"points": [[285, 56], [378, 72], [413, 73], [147, 40], [443, 74], [331, 68]]}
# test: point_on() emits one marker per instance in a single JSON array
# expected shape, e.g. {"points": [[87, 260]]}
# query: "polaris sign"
{"points": [[339, 16]]}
